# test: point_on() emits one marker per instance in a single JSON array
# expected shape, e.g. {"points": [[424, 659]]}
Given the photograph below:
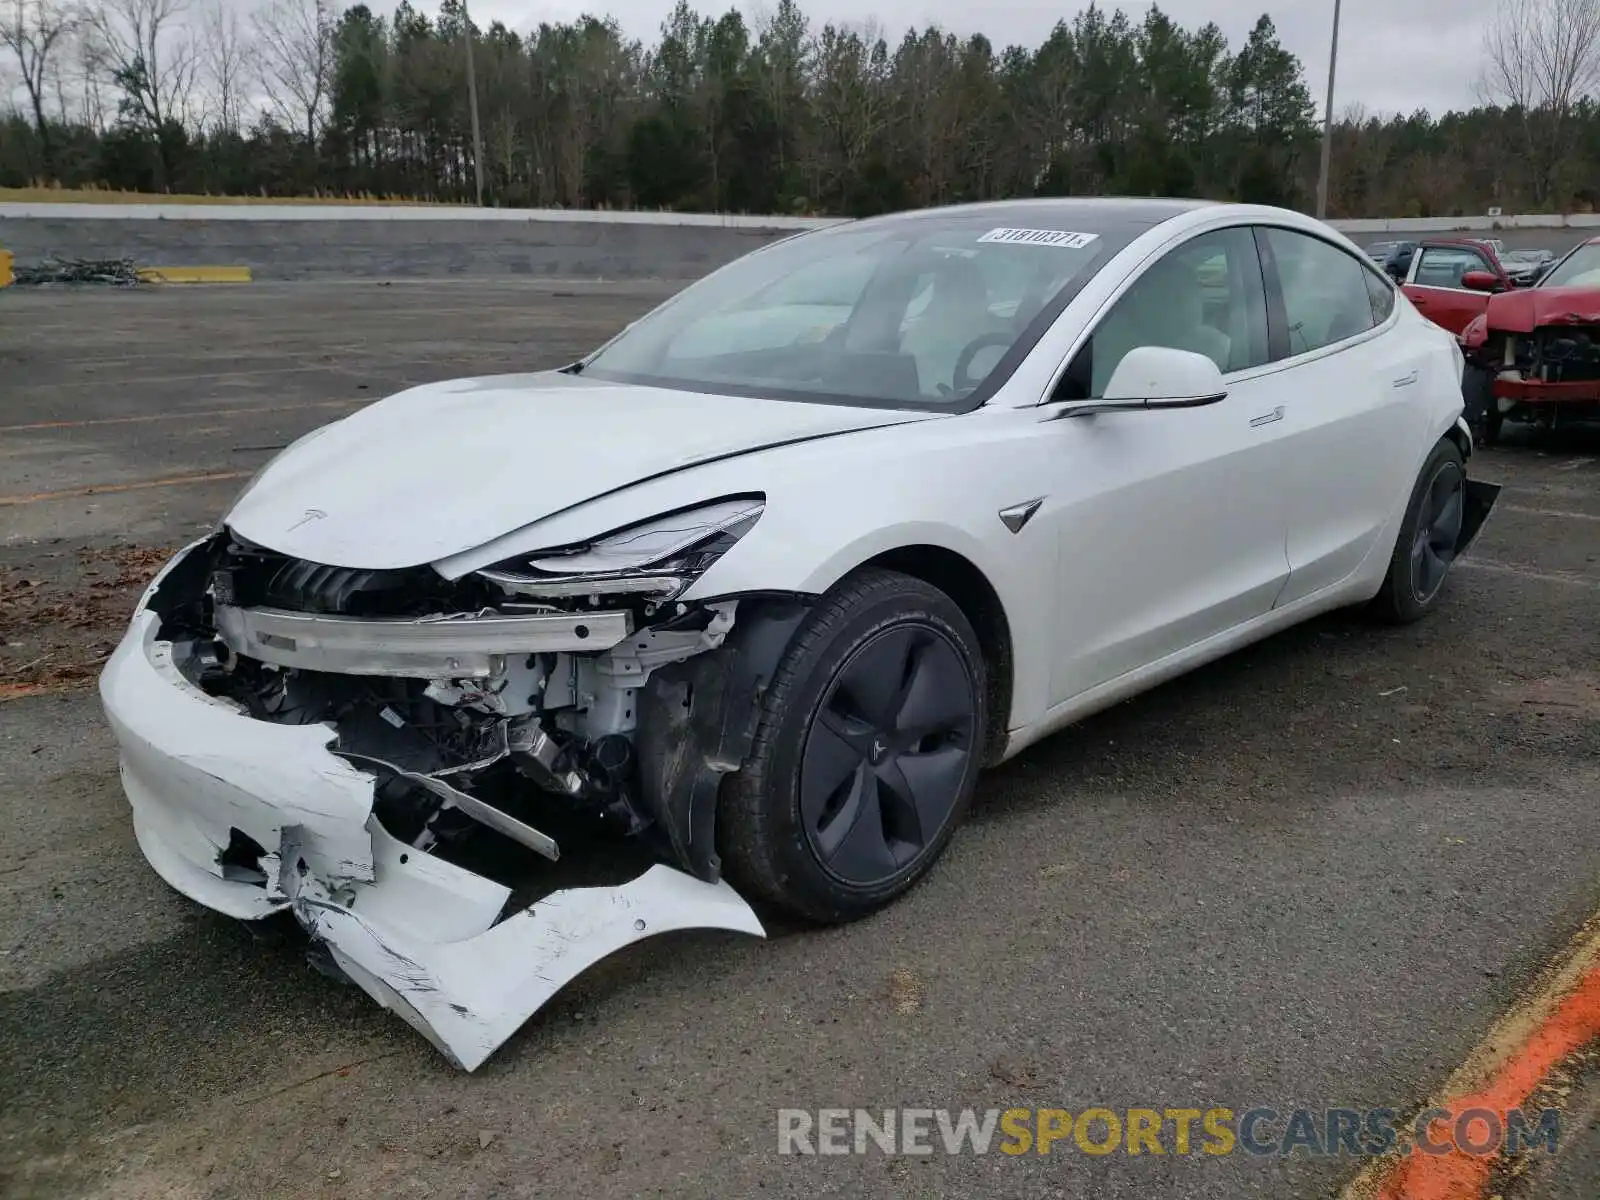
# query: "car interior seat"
{"points": [[1166, 307], [957, 312]]}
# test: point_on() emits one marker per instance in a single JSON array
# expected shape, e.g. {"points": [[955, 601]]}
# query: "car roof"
{"points": [[1483, 243], [1123, 210]]}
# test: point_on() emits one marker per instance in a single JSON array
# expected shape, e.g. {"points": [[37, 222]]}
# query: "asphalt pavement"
{"points": [[1310, 875]]}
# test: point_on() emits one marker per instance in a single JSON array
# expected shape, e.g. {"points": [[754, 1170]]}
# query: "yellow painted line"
{"points": [[194, 274], [96, 489], [6, 276]]}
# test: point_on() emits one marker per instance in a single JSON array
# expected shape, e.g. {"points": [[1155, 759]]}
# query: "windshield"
{"points": [[1581, 268], [914, 312]]}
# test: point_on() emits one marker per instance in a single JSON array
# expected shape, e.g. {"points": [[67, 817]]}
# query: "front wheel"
{"points": [[1426, 547], [866, 754]]}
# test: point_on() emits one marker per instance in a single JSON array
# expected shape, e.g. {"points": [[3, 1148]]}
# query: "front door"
{"points": [[1434, 284], [1170, 526]]}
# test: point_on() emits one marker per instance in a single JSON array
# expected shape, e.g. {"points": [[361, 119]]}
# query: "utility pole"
{"points": [[472, 100], [1327, 121]]}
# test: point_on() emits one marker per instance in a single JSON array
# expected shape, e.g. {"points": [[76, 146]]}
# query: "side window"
{"points": [[1381, 292], [1443, 266], [1205, 295], [1325, 298]]}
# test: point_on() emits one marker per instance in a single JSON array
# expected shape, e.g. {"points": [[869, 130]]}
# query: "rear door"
{"points": [[1434, 284], [1348, 377]]}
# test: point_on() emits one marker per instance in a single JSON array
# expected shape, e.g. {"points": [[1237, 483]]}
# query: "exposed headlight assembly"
{"points": [[656, 559]]}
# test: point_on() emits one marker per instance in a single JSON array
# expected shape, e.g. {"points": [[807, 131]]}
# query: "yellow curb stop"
{"points": [[194, 274]]}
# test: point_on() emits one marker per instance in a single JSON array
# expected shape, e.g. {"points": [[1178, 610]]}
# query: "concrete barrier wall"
{"points": [[309, 246], [402, 241]]}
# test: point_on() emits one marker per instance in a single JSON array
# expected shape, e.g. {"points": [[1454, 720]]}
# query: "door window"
{"points": [[1205, 296], [1325, 297], [1443, 266], [1381, 292]]}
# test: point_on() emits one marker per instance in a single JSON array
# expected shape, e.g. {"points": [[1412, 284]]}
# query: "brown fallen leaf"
{"points": [[905, 991]]}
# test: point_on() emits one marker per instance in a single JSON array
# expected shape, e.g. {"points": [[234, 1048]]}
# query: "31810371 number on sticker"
{"points": [[1040, 237]]}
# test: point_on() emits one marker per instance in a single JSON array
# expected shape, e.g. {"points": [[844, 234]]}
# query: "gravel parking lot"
{"points": [[1312, 874]]}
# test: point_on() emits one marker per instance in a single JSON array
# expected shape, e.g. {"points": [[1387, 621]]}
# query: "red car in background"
{"points": [[1535, 350], [1451, 280]]}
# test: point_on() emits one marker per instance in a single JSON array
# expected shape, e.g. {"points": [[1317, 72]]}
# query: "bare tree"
{"points": [[295, 46], [145, 48], [90, 72], [224, 63], [1542, 57], [32, 30]]}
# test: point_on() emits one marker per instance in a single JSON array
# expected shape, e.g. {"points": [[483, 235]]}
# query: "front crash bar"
{"points": [[461, 646]]}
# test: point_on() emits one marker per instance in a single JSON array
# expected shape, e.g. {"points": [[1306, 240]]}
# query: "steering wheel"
{"points": [[959, 379]]}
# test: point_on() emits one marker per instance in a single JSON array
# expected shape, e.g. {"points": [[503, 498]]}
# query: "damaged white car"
{"points": [[756, 588]]}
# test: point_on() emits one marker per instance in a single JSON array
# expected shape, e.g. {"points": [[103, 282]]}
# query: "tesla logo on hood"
{"points": [[312, 514]]}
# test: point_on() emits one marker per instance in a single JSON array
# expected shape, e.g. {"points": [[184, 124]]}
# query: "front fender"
{"points": [[798, 556], [834, 504], [793, 556]]}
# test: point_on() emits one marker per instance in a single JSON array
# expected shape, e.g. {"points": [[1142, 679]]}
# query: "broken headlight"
{"points": [[655, 560]]}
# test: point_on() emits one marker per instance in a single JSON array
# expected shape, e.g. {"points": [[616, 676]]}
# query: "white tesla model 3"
{"points": [[764, 581]]}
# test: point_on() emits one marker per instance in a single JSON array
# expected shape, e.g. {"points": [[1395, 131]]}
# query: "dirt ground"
{"points": [[1312, 874]]}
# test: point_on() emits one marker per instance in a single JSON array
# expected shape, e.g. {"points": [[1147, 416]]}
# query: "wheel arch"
{"points": [[960, 578]]}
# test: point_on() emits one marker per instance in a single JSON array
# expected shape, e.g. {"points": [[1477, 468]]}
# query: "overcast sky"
{"points": [[1394, 55]]}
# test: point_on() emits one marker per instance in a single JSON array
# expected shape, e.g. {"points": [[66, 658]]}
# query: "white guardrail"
{"points": [[1366, 225], [394, 212], [426, 212]]}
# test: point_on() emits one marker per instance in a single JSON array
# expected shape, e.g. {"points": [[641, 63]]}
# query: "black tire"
{"points": [[789, 837], [1425, 547]]}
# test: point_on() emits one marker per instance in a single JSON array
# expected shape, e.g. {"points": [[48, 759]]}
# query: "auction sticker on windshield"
{"points": [[1040, 237]]}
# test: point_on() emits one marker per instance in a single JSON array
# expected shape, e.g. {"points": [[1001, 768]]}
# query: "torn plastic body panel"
{"points": [[360, 771]]}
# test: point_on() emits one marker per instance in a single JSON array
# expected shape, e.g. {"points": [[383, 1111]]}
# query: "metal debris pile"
{"points": [[118, 272]]}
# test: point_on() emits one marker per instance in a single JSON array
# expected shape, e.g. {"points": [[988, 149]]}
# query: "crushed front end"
{"points": [[1547, 373], [396, 759]]}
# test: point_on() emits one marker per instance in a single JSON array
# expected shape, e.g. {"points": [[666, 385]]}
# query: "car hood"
{"points": [[1525, 311], [444, 468]]}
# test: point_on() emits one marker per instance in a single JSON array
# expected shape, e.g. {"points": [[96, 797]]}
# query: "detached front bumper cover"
{"points": [[422, 936]]}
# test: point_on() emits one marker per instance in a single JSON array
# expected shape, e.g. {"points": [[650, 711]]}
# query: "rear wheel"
{"points": [[1426, 547], [866, 753]]}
